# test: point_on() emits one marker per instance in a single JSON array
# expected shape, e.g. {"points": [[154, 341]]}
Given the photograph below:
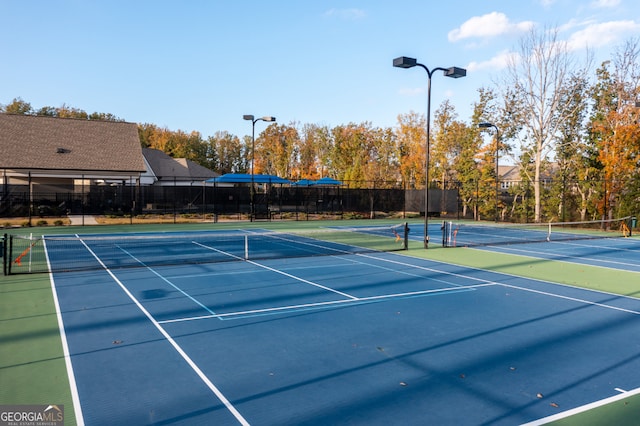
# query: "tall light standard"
{"points": [[486, 125], [453, 72], [253, 152]]}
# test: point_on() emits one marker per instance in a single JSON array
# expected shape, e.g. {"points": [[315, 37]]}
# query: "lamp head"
{"points": [[455, 72], [247, 117], [485, 125], [404, 62], [266, 118]]}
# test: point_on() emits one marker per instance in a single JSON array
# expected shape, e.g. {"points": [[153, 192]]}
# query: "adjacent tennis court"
{"points": [[327, 329]]}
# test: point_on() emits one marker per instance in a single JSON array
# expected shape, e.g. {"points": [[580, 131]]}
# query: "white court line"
{"points": [[401, 263], [602, 305], [329, 303], [349, 296], [575, 299], [351, 260], [65, 345], [173, 343], [168, 282], [583, 408], [531, 253]]}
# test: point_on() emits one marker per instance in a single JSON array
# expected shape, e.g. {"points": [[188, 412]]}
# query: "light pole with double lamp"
{"points": [[253, 153], [486, 125], [453, 72]]}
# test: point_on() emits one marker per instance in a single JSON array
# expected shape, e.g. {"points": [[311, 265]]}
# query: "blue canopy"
{"points": [[328, 181], [246, 178], [304, 182]]}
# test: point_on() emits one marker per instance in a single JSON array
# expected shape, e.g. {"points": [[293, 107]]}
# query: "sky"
{"points": [[200, 65]]}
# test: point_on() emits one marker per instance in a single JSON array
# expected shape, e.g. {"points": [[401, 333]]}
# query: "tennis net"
{"points": [[468, 234], [86, 252]]}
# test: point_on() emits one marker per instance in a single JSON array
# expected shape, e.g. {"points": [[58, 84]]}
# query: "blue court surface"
{"points": [[354, 338]]}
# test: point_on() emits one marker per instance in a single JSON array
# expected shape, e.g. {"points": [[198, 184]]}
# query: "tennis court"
{"points": [[604, 246], [352, 336]]}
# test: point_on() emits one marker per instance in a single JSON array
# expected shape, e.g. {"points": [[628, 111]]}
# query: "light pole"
{"points": [[253, 153], [453, 72], [486, 125]]}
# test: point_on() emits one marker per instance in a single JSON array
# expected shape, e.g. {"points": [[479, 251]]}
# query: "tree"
{"points": [[276, 150], [315, 147], [573, 185], [539, 78], [225, 154], [350, 153], [381, 167], [410, 139], [17, 106], [614, 127]]}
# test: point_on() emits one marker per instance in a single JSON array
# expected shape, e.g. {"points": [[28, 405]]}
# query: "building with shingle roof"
{"points": [[59, 152], [164, 170]]}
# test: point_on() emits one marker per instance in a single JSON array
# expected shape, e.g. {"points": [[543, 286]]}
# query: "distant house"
{"points": [[509, 176], [53, 155], [164, 170]]}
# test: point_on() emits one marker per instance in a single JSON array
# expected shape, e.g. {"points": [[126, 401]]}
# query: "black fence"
{"points": [[276, 202]]}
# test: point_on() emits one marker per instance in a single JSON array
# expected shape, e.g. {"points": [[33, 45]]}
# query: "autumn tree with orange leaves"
{"points": [[614, 129]]}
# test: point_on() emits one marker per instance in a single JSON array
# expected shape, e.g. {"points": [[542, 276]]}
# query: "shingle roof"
{"points": [[46, 143], [164, 166]]}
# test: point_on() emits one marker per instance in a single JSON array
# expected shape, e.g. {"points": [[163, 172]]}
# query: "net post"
{"points": [[406, 236], [246, 247], [9, 254], [4, 242]]}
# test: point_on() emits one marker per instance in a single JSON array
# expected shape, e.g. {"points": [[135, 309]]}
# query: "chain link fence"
{"points": [[561, 201]]}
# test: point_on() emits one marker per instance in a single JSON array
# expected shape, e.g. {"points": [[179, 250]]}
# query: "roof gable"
{"points": [[165, 166], [48, 143]]}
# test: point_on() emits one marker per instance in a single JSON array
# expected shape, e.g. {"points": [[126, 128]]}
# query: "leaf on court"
{"points": [[539, 395], [117, 342], [462, 376], [403, 384], [553, 404]]}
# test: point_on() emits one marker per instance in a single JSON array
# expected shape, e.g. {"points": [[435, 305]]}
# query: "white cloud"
{"points": [[346, 14], [603, 34], [574, 23], [604, 4], [487, 26], [498, 62]]}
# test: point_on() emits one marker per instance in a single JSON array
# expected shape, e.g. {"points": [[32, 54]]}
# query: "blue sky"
{"points": [[200, 65]]}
